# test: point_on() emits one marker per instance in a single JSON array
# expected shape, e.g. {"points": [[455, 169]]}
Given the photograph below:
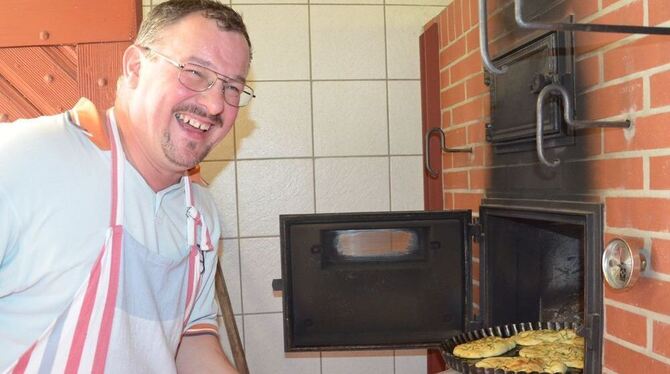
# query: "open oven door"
{"points": [[374, 280]]}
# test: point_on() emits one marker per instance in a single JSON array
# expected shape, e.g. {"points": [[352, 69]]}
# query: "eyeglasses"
{"points": [[199, 78]]}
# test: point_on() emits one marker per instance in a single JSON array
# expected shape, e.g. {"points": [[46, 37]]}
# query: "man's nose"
{"points": [[213, 100]]}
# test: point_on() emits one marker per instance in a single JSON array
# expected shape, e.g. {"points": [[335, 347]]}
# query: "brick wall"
{"points": [[618, 76]]}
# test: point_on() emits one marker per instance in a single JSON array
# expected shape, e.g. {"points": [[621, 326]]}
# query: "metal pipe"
{"points": [[484, 41]]}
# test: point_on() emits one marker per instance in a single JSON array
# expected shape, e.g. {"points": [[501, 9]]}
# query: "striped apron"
{"points": [[129, 314]]}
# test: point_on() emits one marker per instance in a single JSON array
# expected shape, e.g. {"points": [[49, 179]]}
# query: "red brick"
{"points": [[612, 100], [448, 199], [451, 23], [647, 293], [475, 270], [660, 173], [453, 95], [465, 9], [476, 158], [649, 133], [588, 73], [474, 11], [625, 325], [659, 83], [456, 180], [625, 173], [466, 67], [475, 294], [472, 39], [660, 255], [640, 55], [475, 86], [625, 361], [446, 118], [638, 212], [470, 201], [455, 137], [592, 141], [444, 79], [659, 11], [444, 39], [458, 19], [476, 133], [453, 52], [479, 179], [488, 155], [469, 111], [607, 3], [661, 344], [631, 14]]}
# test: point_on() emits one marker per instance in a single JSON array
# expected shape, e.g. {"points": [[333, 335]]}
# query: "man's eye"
{"points": [[233, 89], [194, 73]]}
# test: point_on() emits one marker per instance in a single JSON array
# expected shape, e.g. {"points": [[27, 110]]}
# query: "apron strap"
{"points": [[118, 163]]}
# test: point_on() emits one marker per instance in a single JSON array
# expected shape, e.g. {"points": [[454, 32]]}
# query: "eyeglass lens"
{"points": [[200, 79]]}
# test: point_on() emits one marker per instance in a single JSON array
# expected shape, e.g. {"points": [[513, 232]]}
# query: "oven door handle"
{"points": [[426, 151]]}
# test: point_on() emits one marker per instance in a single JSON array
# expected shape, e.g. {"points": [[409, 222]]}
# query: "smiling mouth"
{"points": [[194, 123]]}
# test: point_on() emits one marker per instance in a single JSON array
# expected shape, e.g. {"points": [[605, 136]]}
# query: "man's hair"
{"points": [[169, 12]]}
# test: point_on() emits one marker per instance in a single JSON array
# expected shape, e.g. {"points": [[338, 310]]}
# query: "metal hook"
{"points": [[484, 41], [567, 103], [426, 153], [518, 4]]}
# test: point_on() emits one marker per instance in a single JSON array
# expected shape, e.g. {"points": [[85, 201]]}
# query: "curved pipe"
{"points": [[518, 5], [484, 41], [426, 150], [567, 103]]}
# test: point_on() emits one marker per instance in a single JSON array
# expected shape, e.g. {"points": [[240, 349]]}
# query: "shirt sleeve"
{"points": [[8, 230]]}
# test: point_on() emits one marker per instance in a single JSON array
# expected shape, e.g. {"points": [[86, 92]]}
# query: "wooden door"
{"points": [[54, 52]]}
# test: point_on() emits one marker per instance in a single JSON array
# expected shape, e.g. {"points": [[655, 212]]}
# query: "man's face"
{"points": [[175, 127]]}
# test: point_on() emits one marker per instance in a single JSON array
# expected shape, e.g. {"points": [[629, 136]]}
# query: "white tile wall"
{"points": [[277, 124], [404, 24], [220, 175], [407, 183], [352, 184], [261, 263], [347, 42], [405, 117], [411, 361], [350, 118], [357, 362], [280, 43], [336, 127], [268, 188], [264, 348]]}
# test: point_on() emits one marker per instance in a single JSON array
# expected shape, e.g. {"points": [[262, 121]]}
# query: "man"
{"points": [[106, 255]]}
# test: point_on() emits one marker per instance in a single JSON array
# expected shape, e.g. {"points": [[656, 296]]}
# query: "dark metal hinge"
{"points": [[475, 230]]}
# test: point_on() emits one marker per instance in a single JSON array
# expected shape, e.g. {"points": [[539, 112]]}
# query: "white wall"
{"points": [[335, 127]]}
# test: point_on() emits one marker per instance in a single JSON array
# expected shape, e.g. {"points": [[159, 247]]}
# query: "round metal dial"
{"points": [[621, 264]]}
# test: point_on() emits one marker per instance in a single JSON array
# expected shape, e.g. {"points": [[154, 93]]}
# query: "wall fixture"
{"points": [[555, 26], [567, 102], [426, 153], [622, 264]]}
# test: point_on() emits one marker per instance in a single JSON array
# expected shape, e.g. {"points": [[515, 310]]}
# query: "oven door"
{"points": [[374, 280]]}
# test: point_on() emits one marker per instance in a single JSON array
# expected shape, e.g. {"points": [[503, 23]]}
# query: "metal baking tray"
{"points": [[467, 366]]}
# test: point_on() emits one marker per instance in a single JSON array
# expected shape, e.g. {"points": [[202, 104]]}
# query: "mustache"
{"points": [[198, 111]]}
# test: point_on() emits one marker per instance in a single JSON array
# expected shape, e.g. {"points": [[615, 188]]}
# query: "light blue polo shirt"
{"points": [[55, 198]]}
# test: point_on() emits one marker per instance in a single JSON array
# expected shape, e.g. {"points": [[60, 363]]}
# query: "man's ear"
{"points": [[132, 62]]}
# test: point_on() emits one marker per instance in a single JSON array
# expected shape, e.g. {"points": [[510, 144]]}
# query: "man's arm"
{"points": [[201, 354]]}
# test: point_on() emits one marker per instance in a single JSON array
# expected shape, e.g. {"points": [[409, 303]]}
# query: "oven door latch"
{"points": [[475, 230]]}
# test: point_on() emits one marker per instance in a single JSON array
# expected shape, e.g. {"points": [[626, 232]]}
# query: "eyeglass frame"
{"points": [[223, 78]]}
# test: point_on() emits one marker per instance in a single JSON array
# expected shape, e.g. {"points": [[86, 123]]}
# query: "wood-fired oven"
{"points": [[403, 279]]}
